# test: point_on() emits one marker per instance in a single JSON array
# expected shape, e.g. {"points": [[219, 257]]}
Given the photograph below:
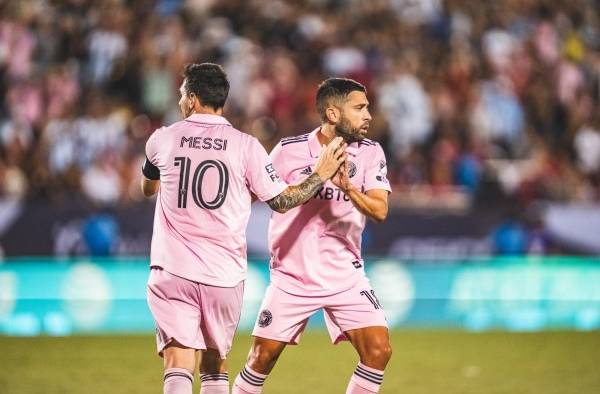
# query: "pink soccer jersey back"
{"points": [[208, 170], [315, 248]]}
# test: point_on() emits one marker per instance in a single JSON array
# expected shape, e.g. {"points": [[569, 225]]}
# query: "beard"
{"points": [[345, 130]]}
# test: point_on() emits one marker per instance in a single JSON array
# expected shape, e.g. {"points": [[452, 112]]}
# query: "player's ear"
{"points": [[191, 101], [333, 114]]}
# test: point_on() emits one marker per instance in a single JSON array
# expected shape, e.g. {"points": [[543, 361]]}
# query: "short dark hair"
{"points": [[209, 82], [335, 89]]}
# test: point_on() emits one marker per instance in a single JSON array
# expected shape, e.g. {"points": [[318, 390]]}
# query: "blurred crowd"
{"points": [[495, 100]]}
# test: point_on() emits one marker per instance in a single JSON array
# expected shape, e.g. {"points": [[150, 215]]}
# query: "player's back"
{"points": [[204, 200]]}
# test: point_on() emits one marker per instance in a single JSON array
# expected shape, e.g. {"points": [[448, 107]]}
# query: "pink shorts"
{"points": [[198, 316], [283, 316]]}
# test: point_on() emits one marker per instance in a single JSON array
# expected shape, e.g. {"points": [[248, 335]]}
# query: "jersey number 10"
{"points": [[185, 164]]}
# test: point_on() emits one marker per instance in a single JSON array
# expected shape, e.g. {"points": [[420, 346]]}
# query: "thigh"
{"points": [[283, 316], [221, 308], [174, 305], [353, 309]]}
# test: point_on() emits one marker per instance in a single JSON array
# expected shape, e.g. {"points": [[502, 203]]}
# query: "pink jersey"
{"points": [[315, 248], [207, 171]]}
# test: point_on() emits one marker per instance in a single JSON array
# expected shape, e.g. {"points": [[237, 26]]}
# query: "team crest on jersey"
{"points": [[265, 318], [351, 169]]}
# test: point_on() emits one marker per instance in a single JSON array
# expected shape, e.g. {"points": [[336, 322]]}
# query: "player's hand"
{"points": [[341, 178], [330, 158]]}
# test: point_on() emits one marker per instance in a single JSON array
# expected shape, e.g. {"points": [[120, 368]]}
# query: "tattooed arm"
{"points": [[330, 159], [297, 194]]}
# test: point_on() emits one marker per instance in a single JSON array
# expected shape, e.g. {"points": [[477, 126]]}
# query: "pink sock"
{"points": [[178, 381], [248, 382], [365, 380], [217, 383]]}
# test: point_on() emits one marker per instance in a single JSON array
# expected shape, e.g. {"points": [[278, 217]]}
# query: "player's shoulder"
{"points": [[369, 150], [298, 139], [248, 141], [367, 143], [165, 130], [368, 146], [158, 133]]}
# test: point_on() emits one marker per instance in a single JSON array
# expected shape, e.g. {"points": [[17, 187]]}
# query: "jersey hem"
{"points": [[289, 341], [200, 279], [301, 291]]}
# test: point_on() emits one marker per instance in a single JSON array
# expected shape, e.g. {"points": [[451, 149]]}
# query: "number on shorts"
{"points": [[372, 298]]}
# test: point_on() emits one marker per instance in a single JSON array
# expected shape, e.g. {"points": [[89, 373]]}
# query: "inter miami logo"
{"points": [[265, 318], [351, 169]]}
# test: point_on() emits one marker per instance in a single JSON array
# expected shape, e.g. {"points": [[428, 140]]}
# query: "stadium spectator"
{"points": [[505, 80]]}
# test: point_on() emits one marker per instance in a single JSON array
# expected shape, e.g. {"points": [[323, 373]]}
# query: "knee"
{"points": [[378, 354]]}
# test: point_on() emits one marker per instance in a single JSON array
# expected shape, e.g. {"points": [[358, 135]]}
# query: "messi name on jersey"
{"points": [[203, 143]]}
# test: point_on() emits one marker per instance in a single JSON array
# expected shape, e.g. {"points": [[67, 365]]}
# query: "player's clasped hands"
{"points": [[331, 157], [341, 178]]}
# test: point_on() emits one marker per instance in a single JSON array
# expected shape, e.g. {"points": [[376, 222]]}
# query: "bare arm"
{"points": [[149, 186], [297, 194], [373, 203]]}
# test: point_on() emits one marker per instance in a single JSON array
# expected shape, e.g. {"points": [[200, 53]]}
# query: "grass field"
{"points": [[424, 362]]}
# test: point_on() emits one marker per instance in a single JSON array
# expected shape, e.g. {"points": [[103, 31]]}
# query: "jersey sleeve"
{"points": [[261, 176], [150, 168], [278, 160], [376, 173]]}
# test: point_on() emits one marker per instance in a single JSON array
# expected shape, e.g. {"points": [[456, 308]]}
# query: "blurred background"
{"points": [[489, 114]]}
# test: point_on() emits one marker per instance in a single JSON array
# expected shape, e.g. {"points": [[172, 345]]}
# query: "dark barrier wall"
{"points": [[76, 228]]}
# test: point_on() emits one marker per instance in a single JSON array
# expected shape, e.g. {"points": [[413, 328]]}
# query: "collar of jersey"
{"points": [[207, 118], [315, 147]]}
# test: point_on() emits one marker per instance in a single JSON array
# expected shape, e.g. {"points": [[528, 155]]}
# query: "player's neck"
{"points": [[325, 134], [202, 110]]}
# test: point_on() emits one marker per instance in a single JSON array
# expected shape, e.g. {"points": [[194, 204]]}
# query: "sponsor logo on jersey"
{"points": [[331, 193]]}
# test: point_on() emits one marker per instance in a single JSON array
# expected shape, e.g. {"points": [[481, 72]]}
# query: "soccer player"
{"points": [[315, 248], [206, 173]]}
